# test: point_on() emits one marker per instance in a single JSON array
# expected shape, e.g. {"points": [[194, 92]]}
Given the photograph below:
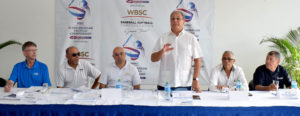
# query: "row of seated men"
{"points": [[178, 52], [74, 73]]}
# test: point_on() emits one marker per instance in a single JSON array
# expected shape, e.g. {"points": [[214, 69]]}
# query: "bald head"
{"points": [[118, 49], [72, 54], [119, 56], [71, 47]]}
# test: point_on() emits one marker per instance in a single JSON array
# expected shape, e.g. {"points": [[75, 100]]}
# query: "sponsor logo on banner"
{"points": [[79, 32], [188, 13], [189, 9], [133, 48], [136, 53], [78, 8], [80, 37], [136, 17], [137, 20], [137, 1], [136, 13], [85, 55]]}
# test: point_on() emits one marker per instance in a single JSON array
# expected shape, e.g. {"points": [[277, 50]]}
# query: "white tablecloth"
{"points": [[140, 97]]}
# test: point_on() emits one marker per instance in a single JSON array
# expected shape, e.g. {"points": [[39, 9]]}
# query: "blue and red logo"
{"points": [[188, 13], [79, 10], [133, 48], [137, 1]]}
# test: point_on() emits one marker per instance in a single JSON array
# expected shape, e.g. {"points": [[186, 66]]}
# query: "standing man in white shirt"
{"points": [[120, 69], [177, 50], [75, 73], [226, 74]]}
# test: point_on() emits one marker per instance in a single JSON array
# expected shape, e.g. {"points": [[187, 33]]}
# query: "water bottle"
{"points": [[294, 91], [45, 88], [294, 84], [119, 84], [167, 91], [238, 85]]}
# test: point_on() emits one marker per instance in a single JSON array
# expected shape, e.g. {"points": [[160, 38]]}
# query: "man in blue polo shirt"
{"points": [[30, 72], [264, 75]]}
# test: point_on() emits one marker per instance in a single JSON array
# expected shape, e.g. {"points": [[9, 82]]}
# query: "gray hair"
{"points": [[230, 52], [274, 53], [177, 11]]}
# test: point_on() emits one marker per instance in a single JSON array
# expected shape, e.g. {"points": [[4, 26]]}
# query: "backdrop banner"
{"points": [[97, 26]]}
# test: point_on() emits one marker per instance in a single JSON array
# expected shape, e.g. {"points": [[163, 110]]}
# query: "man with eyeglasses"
{"points": [[30, 72], [75, 73], [225, 75], [177, 50], [264, 75], [120, 70]]}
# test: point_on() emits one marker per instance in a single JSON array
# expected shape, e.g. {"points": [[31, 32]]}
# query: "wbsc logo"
{"points": [[78, 8], [80, 37], [188, 13], [133, 48]]}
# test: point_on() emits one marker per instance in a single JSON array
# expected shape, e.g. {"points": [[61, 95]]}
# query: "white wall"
{"points": [[25, 20], [239, 26]]}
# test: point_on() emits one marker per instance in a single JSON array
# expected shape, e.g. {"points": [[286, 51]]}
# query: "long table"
{"points": [[62, 102]]}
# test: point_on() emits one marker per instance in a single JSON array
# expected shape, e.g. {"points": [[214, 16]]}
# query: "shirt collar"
{"points": [[114, 65], [233, 67], [276, 70], [182, 32], [79, 66], [35, 65]]}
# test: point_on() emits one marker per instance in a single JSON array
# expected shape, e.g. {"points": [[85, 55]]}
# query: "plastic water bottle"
{"points": [[294, 85], [294, 91], [119, 84], [167, 91], [238, 85]]}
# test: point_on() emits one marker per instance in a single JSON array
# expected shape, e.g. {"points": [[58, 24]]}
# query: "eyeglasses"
{"points": [[76, 54], [33, 50], [117, 54], [229, 59], [176, 19]]}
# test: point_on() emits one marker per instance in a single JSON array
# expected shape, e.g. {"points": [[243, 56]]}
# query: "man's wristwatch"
{"points": [[196, 79]]}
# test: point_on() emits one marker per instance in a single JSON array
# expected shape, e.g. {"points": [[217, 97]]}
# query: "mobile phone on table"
{"points": [[196, 97]]}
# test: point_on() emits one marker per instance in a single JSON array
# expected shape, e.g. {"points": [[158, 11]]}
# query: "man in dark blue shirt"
{"points": [[265, 74], [30, 72]]}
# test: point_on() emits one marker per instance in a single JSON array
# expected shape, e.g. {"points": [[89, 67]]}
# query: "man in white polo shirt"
{"points": [[224, 76], [178, 50], [120, 69], [75, 73]]}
